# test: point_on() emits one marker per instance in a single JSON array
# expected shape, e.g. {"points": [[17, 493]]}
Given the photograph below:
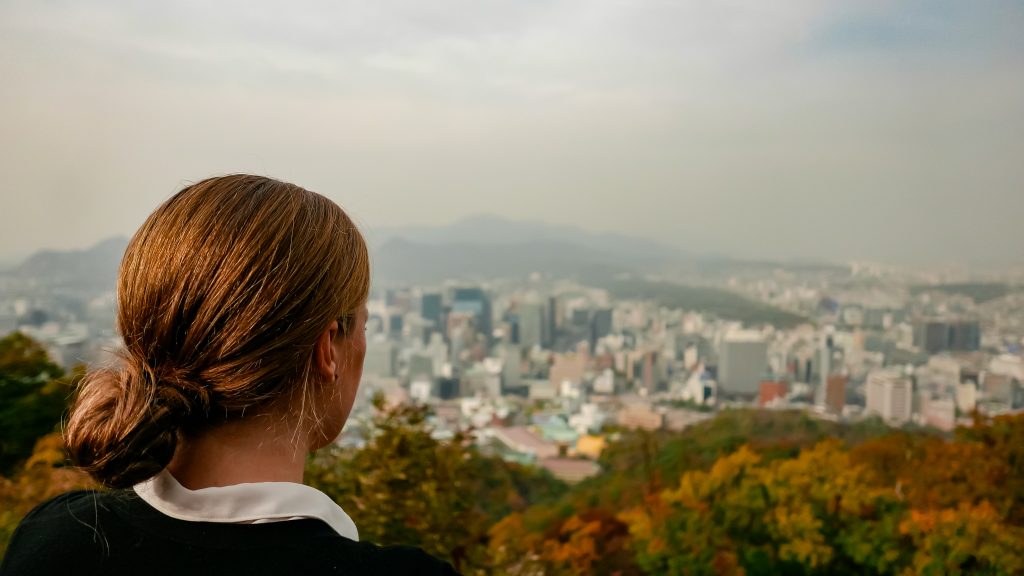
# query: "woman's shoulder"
{"points": [[71, 511], [110, 532], [58, 531]]}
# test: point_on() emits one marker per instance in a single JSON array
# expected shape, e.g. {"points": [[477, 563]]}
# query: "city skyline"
{"points": [[887, 130]]}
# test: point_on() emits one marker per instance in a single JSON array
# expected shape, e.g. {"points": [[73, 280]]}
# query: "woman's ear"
{"points": [[325, 360]]}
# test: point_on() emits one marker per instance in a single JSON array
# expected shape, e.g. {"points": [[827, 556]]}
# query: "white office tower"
{"points": [[421, 390], [511, 371], [890, 395], [604, 383], [742, 362]]}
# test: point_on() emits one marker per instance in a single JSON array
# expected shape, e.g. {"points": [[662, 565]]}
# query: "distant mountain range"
{"points": [[494, 230], [489, 246], [475, 247], [94, 268]]}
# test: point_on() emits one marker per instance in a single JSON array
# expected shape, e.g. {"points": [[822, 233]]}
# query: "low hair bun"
{"points": [[117, 432]]}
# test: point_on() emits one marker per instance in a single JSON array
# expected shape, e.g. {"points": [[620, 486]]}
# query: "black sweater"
{"points": [[115, 533]]}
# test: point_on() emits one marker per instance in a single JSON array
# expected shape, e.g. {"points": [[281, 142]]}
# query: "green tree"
{"points": [[406, 487], [32, 397]]}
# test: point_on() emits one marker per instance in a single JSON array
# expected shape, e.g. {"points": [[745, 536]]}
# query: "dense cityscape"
{"points": [[547, 370], [577, 404]]}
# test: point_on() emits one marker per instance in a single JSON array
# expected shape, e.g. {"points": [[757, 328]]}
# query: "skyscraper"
{"points": [[531, 325], [381, 358], [835, 394], [601, 324], [476, 302], [431, 309], [551, 322], [396, 323], [581, 317], [742, 361]]}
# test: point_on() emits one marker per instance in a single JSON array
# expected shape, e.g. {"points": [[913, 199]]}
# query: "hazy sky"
{"points": [[888, 130]]}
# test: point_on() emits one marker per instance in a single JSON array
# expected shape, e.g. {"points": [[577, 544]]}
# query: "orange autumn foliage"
{"points": [[42, 477]]}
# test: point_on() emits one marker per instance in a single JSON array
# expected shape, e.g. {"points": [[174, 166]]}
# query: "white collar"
{"points": [[253, 503]]}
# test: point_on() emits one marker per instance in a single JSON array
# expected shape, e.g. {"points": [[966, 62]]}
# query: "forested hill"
{"points": [[714, 301]]}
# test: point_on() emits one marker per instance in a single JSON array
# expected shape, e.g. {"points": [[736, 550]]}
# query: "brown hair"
{"points": [[222, 294]]}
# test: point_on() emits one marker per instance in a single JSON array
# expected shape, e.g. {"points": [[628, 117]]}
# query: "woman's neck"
{"points": [[250, 450]]}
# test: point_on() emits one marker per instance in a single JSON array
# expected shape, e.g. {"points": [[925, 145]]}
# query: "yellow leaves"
{"points": [[697, 489], [969, 536], [922, 521], [509, 539], [801, 536], [49, 451], [639, 522], [42, 478], [573, 547], [579, 547], [791, 511], [693, 489], [731, 468]]}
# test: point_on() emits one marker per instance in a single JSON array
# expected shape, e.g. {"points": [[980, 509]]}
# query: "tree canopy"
{"points": [[33, 396], [747, 492]]}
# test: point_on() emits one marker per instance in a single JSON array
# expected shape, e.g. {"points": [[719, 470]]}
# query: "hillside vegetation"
{"points": [[747, 492]]}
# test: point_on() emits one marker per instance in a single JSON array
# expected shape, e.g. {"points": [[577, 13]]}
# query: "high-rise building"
{"points": [[647, 372], [600, 325], [431, 309], [511, 372], [510, 328], [448, 388], [531, 325], [551, 322], [742, 361], [835, 394], [381, 358], [476, 302], [942, 335], [396, 323], [825, 360], [890, 395], [939, 412], [965, 336], [421, 367], [581, 317]]}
